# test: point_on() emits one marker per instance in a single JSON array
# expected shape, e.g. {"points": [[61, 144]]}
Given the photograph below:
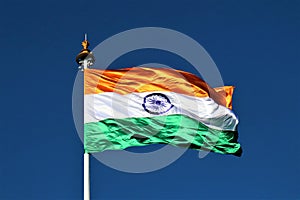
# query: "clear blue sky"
{"points": [[255, 44]]}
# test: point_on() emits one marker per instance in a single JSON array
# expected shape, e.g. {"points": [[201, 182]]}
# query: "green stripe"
{"points": [[177, 130]]}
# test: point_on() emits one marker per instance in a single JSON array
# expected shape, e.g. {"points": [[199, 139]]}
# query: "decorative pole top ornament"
{"points": [[85, 43], [85, 58]]}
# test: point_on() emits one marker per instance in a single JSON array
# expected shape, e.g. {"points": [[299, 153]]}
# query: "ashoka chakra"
{"points": [[157, 103]]}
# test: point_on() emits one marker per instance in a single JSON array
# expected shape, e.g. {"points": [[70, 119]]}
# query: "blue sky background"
{"points": [[255, 45]]}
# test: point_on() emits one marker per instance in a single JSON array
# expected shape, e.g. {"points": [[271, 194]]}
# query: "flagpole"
{"points": [[85, 59], [86, 175], [86, 156]]}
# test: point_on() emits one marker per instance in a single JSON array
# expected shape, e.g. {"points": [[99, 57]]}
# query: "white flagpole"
{"points": [[85, 59], [86, 158], [86, 174]]}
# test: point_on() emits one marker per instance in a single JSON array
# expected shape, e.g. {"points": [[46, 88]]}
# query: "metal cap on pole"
{"points": [[85, 58]]}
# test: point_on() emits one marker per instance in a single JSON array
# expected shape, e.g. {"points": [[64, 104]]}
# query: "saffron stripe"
{"points": [[141, 79]]}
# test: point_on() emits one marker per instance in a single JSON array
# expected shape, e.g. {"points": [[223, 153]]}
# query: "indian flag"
{"points": [[141, 106]]}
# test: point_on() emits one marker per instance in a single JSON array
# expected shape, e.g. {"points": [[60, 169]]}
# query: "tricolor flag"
{"points": [[141, 106]]}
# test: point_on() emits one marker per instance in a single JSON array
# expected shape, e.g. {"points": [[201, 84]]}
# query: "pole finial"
{"points": [[85, 53], [85, 43]]}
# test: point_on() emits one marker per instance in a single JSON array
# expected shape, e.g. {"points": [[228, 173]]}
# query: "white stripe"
{"points": [[112, 105]]}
